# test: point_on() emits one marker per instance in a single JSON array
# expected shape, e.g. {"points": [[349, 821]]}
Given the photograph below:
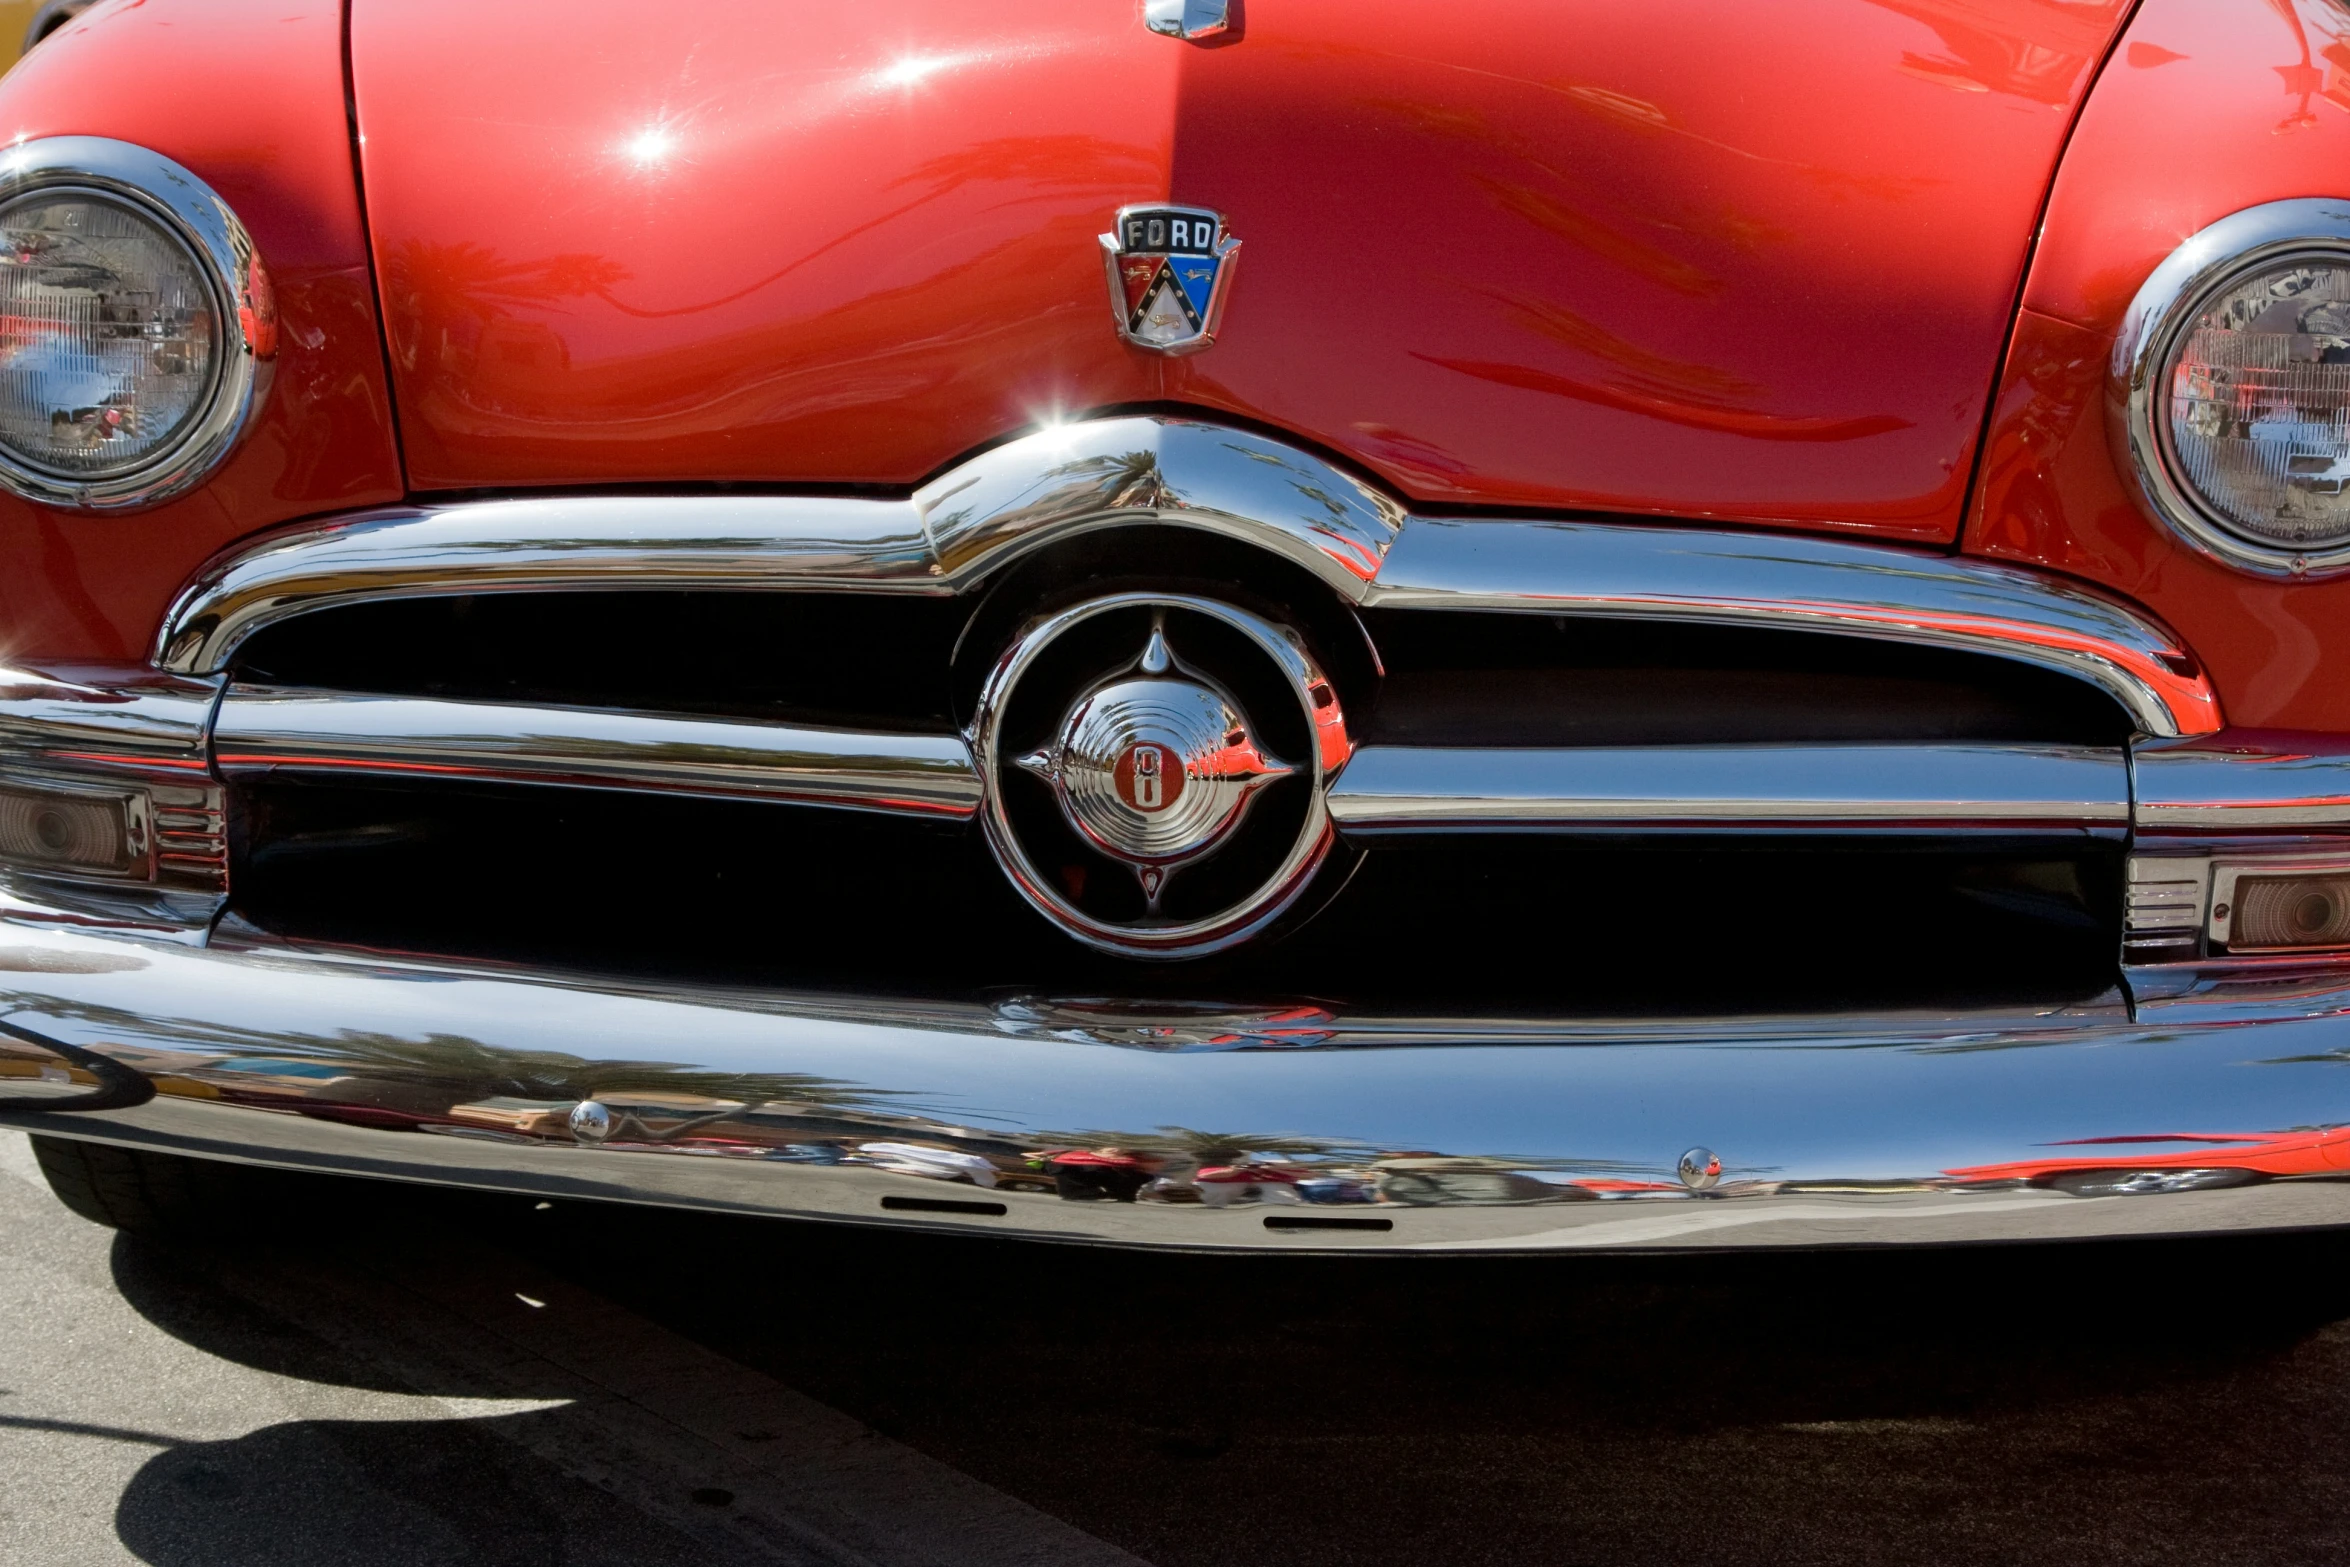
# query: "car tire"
{"points": [[143, 1193]]}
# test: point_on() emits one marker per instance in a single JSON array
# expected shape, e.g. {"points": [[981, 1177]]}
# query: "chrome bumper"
{"points": [[133, 1010], [1249, 1128]]}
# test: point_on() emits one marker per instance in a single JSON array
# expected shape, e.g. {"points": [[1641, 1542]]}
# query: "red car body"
{"points": [[1829, 269]]}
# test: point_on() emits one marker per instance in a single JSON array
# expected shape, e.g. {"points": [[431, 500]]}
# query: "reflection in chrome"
{"points": [[1187, 18], [1173, 1026], [2195, 993], [2259, 782], [68, 1077], [1140, 779], [1929, 788], [1504, 1134], [2147, 1183], [2187, 282], [1069, 479], [264, 729]]}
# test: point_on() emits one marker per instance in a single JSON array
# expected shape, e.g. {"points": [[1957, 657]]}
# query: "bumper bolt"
{"points": [[591, 1122]]}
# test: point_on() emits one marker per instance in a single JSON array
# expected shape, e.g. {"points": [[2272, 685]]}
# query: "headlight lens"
{"points": [[2259, 388], [110, 339]]}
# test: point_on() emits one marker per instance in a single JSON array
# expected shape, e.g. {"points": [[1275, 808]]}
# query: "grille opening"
{"points": [[866, 661], [887, 662], [837, 902], [1540, 680], [1310, 1221]]}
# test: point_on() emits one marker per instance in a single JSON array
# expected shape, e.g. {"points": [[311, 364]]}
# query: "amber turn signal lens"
{"points": [[2291, 911], [74, 831]]}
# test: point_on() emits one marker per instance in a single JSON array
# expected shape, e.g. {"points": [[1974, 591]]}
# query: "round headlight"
{"points": [[109, 339], [135, 325], [2259, 419], [2231, 381]]}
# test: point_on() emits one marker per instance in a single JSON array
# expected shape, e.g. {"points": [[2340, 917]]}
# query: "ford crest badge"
{"points": [[1169, 268]]}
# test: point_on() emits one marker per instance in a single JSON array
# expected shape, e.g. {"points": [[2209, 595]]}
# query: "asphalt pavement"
{"points": [[378, 1375]]}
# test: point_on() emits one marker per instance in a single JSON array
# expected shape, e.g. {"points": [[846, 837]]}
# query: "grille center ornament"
{"points": [[1155, 767], [1129, 761], [1169, 270]]}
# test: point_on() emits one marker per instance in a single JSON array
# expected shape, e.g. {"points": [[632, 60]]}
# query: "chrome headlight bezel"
{"points": [[160, 190]]}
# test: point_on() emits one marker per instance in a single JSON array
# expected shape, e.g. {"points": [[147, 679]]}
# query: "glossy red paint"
{"points": [[1746, 262], [1676, 258], [803, 243], [248, 94], [2308, 1151], [2211, 106]]}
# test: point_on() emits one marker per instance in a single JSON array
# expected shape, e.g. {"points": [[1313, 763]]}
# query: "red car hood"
{"points": [[1751, 262]]}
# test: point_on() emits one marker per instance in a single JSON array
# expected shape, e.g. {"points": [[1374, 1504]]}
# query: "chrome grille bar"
{"points": [[2261, 782], [1937, 789], [1940, 789], [1150, 471], [264, 729], [1799, 583]]}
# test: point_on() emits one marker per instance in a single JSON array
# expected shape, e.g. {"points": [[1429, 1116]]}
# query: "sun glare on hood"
{"points": [[651, 147]]}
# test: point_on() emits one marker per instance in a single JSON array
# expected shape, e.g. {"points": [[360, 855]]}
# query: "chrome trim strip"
{"points": [[948, 534], [1937, 789], [242, 300], [2249, 781], [263, 729], [105, 717], [542, 544], [1071, 479], [1512, 1135], [1798, 582], [2172, 295]]}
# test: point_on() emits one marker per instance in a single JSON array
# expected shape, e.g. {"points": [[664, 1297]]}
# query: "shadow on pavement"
{"points": [[318, 1492], [2124, 1402], [381, 1492]]}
